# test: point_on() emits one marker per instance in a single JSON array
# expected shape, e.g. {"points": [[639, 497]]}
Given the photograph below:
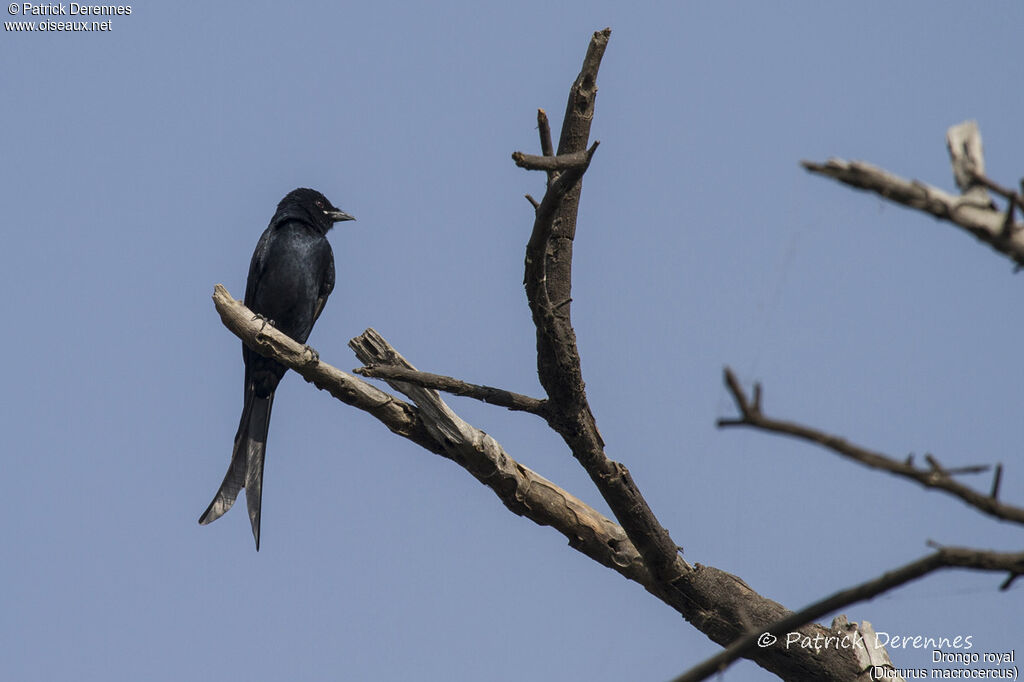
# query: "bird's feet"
{"points": [[264, 320], [314, 357]]}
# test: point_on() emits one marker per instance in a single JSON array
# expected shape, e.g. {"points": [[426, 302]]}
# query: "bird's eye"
{"points": [[319, 204]]}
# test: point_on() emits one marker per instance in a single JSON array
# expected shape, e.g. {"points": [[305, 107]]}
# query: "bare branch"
{"points": [[562, 162], [548, 282], [945, 557], [521, 490], [969, 469], [973, 210], [934, 464], [996, 480], [544, 129], [980, 220], [933, 477], [993, 186], [487, 394], [398, 416]]}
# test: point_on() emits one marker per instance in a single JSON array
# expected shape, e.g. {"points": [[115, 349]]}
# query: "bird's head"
{"points": [[314, 206]]}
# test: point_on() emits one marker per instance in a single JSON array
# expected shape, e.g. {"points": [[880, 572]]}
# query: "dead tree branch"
{"points": [[440, 431], [935, 476], [562, 162], [486, 394], [398, 416], [973, 210], [548, 282], [944, 557]]}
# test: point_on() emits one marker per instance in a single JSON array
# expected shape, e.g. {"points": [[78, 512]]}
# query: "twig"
{"points": [[1007, 231], [544, 129], [487, 394], [944, 471], [934, 464], [970, 469], [996, 480], [993, 186], [934, 477], [562, 162]]}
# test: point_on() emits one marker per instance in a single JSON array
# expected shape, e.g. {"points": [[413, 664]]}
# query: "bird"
{"points": [[290, 277]]}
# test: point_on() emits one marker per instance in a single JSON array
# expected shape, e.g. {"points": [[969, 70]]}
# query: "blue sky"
{"points": [[142, 164]]}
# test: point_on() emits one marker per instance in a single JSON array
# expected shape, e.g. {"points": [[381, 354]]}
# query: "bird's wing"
{"points": [[257, 264], [326, 287]]}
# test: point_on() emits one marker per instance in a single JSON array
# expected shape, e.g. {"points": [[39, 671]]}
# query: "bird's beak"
{"points": [[338, 216]]}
